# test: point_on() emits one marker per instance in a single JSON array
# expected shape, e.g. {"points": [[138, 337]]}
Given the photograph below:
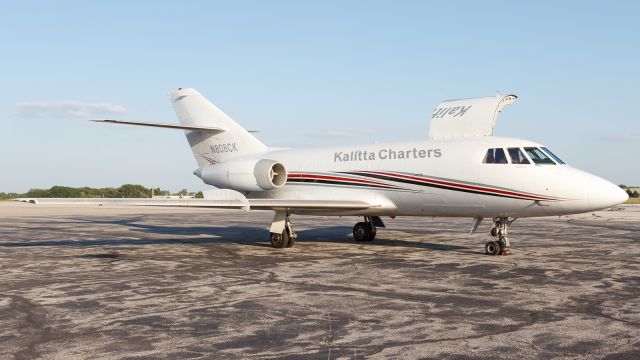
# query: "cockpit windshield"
{"points": [[557, 159], [538, 156], [517, 156], [495, 156]]}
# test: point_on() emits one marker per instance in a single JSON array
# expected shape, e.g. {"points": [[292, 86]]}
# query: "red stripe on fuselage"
{"points": [[463, 186]]}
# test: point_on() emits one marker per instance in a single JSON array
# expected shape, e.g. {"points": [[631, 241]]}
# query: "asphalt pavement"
{"points": [[134, 283]]}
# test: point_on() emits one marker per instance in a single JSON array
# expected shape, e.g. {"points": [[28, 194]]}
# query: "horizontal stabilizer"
{"points": [[206, 129]]}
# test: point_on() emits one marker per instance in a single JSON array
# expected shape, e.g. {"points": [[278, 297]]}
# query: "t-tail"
{"points": [[216, 137]]}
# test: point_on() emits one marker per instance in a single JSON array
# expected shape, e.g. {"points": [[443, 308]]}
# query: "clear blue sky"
{"points": [[306, 73]]}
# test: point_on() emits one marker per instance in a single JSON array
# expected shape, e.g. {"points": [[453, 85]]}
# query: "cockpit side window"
{"points": [[495, 156], [538, 156], [517, 156], [557, 159]]}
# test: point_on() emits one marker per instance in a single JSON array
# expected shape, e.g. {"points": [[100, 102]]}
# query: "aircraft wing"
{"points": [[467, 117], [224, 199], [278, 204], [184, 202]]}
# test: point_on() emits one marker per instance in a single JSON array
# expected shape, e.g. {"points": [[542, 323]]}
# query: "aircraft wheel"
{"points": [[279, 241], [362, 231], [492, 248], [373, 231], [504, 250]]}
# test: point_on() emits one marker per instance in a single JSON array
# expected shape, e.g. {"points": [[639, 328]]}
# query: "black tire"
{"points": [[492, 248], [502, 247], [372, 232], [361, 231], [279, 241]]}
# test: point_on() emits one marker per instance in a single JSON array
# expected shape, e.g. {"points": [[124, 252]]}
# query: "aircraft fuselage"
{"points": [[441, 178]]}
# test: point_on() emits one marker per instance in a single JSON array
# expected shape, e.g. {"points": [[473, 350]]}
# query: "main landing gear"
{"points": [[282, 234], [366, 231], [499, 229]]}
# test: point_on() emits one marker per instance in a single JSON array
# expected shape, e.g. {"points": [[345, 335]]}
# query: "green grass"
{"points": [[633, 201]]}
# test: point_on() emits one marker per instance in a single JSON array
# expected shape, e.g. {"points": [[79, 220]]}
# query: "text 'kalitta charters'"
{"points": [[386, 154]]}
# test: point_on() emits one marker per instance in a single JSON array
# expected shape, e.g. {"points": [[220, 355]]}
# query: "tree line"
{"points": [[632, 194], [124, 191]]}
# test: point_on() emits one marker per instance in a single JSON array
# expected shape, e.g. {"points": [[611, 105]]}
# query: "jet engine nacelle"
{"points": [[245, 175]]}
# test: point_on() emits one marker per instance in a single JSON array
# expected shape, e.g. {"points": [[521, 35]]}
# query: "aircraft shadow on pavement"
{"points": [[245, 235], [342, 234]]}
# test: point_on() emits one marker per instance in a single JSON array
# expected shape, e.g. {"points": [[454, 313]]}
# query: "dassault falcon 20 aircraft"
{"points": [[462, 170]]}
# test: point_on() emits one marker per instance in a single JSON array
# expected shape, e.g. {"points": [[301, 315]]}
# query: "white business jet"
{"points": [[460, 171]]}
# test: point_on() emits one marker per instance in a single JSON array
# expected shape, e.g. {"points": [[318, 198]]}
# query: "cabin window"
{"points": [[517, 156], [538, 156], [557, 159], [495, 156]]}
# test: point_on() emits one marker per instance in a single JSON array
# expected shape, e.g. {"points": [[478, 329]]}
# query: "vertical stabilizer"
{"points": [[209, 148], [467, 117]]}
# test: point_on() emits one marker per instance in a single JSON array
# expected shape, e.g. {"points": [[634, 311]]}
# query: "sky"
{"points": [[306, 74]]}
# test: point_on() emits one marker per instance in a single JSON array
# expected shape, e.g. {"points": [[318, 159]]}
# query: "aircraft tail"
{"points": [[210, 147]]}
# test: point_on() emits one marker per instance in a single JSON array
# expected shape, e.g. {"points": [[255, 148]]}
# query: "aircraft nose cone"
{"points": [[603, 194]]}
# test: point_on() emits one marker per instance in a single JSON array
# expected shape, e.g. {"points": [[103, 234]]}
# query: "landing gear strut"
{"points": [[366, 231], [281, 233], [499, 229]]}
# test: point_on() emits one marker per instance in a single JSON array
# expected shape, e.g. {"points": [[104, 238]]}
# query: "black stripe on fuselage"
{"points": [[419, 183]]}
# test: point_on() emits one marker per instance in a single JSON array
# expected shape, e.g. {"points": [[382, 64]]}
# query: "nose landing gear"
{"points": [[499, 229]]}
